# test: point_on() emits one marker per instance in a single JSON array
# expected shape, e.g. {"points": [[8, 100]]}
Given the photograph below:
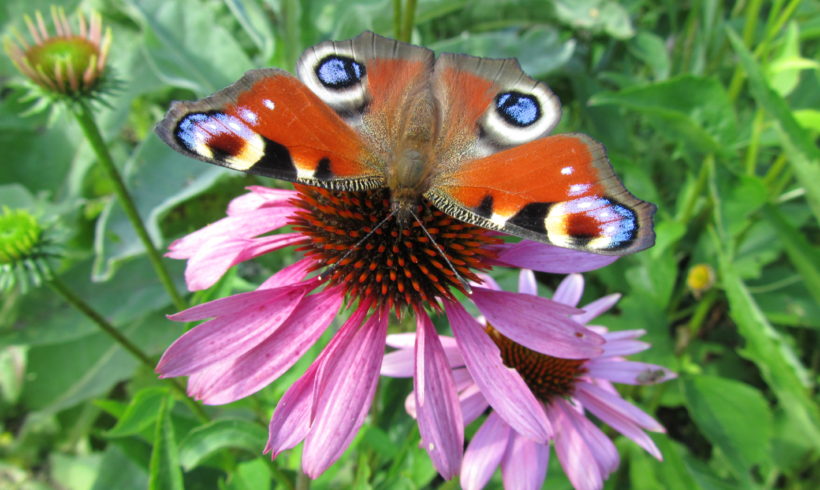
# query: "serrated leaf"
{"points": [[141, 412], [220, 434], [770, 352], [734, 417], [164, 471]]}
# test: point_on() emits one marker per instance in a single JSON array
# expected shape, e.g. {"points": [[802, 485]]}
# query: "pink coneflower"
{"points": [[565, 388], [254, 337]]}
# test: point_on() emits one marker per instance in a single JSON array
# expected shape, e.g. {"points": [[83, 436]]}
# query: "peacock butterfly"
{"points": [[468, 134]]}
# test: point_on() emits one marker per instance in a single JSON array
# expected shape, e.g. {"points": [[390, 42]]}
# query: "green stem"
{"points": [[86, 119], [122, 340], [407, 21], [754, 144]]}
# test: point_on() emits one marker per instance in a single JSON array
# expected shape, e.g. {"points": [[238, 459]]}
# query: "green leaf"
{"points": [[802, 255], [119, 471], [650, 48], [141, 412], [687, 106], [596, 15], [251, 475], [220, 434], [800, 147], [783, 72], [164, 471], [188, 46], [734, 417]]}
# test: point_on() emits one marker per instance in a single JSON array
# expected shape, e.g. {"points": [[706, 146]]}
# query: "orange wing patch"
{"points": [[559, 190]]}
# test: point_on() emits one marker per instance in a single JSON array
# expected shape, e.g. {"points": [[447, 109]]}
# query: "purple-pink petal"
{"points": [[345, 386], [289, 275], [525, 464], [585, 457], [537, 323], [473, 404], [229, 336], [437, 406], [259, 197], [502, 387], [398, 364], [628, 372], [208, 264], [291, 420], [620, 415], [527, 283], [570, 290], [527, 254], [597, 307], [485, 452], [260, 366], [233, 227], [619, 348]]}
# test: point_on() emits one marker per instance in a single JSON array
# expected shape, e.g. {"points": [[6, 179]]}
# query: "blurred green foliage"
{"points": [[709, 109]]}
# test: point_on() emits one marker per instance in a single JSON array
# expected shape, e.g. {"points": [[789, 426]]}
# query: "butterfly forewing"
{"points": [[269, 123]]}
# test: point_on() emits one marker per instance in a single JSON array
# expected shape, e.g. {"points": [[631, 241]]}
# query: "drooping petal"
{"points": [[437, 407], [527, 254], [260, 366], [291, 419], [402, 340], [628, 372], [229, 336], [247, 225], [624, 335], [485, 453], [288, 275], [597, 307], [592, 396], [525, 464], [570, 290], [502, 387], [537, 323], [527, 283], [208, 264], [234, 305], [344, 391], [585, 453], [620, 415]]}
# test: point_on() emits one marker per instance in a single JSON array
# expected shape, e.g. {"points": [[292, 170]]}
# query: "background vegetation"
{"points": [[708, 109]]}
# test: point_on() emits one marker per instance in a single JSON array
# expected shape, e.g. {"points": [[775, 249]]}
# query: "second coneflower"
{"points": [[566, 388], [252, 338]]}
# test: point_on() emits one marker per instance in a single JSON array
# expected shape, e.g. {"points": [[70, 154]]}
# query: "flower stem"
{"points": [[78, 303], [84, 116]]}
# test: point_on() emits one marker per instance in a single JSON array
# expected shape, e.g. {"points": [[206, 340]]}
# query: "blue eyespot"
{"points": [[518, 109], [339, 72]]}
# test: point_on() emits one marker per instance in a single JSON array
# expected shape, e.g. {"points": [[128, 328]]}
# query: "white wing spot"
{"points": [[269, 104], [567, 171]]}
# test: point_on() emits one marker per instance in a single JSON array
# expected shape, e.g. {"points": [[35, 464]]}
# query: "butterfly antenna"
{"points": [[334, 266], [464, 283]]}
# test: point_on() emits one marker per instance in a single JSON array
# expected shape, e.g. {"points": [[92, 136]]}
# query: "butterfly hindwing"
{"points": [[557, 189], [271, 124]]}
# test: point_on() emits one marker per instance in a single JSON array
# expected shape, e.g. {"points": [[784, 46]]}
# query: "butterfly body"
{"points": [[467, 134]]}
